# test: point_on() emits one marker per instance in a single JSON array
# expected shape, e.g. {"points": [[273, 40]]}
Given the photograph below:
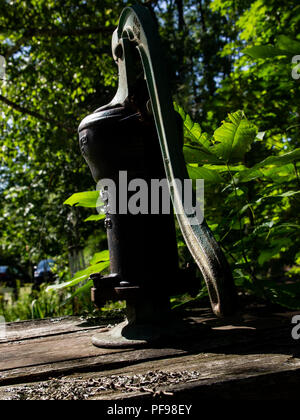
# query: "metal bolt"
{"points": [[107, 223]]}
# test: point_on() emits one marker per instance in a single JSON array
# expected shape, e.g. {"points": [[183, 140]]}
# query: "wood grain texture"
{"points": [[233, 354]]}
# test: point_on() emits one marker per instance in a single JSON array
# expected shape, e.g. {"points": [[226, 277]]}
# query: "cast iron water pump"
{"points": [[138, 135]]}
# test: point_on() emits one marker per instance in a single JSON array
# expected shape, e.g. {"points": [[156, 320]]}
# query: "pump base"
{"points": [[128, 334]]}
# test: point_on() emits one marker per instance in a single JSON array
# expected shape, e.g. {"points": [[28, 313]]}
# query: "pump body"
{"points": [[138, 136]]}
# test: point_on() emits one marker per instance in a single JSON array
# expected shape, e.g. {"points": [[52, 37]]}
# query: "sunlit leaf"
{"points": [[100, 256], [95, 217], [83, 199], [209, 176], [234, 137], [80, 276]]}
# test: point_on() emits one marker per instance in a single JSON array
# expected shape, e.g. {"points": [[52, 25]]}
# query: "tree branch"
{"points": [[14, 48], [202, 13], [34, 114], [181, 23], [56, 33]]}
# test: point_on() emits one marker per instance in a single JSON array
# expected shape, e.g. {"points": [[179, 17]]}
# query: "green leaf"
{"points": [[267, 254], [95, 217], [81, 289], [286, 227], [279, 174], [287, 295], [208, 175], [264, 51], [278, 245], [75, 280], [99, 257], [224, 168], [234, 137], [84, 199], [80, 276], [194, 154], [241, 279], [257, 170], [288, 44], [193, 130], [284, 159], [283, 195]]}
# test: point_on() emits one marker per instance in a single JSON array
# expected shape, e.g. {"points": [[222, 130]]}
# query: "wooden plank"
{"points": [[221, 376], [54, 355], [51, 326], [50, 349], [190, 377], [237, 350]]}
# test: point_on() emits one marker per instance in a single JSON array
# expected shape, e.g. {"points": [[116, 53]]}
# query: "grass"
{"points": [[34, 304], [40, 304]]}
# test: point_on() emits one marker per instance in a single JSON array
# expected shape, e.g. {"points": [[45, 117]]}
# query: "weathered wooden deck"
{"points": [[247, 357]]}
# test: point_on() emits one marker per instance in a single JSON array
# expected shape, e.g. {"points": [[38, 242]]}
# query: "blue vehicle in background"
{"points": [[11, 278], [43, 272], [6, 275], [10, 274]]}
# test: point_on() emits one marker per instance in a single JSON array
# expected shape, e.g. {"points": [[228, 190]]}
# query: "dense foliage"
{"points": [[229, 61]]}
